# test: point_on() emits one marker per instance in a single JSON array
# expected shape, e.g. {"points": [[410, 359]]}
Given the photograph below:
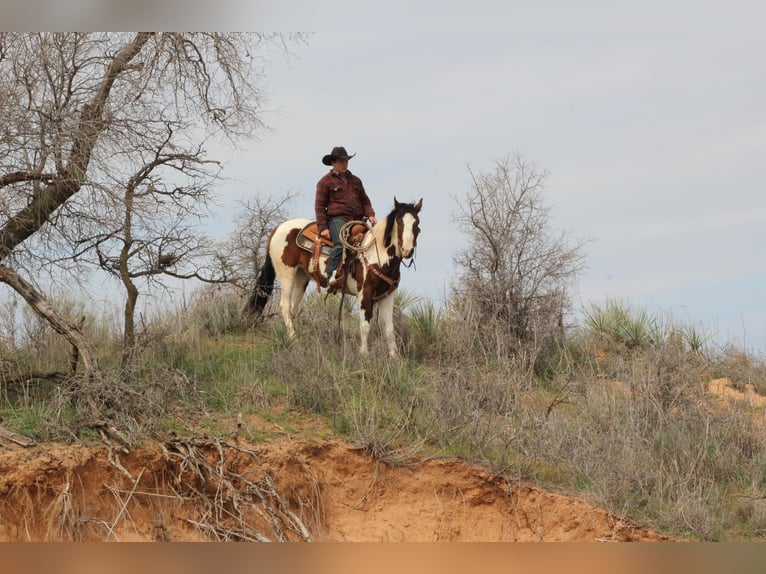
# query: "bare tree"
{"points": [[243, 254], [515, 273], [152, 239], [76, 108]]}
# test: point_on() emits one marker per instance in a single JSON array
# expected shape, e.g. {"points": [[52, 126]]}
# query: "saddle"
{"points": [[309, 240]]}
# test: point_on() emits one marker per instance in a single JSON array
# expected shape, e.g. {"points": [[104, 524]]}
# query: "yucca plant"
{"points": [[426, 322], [639, 329], [619, 323], [404, 299], [696, 337], [607, 321]]}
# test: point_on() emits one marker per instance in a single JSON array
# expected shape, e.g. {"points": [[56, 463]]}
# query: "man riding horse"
{"points": [[340, 197]]}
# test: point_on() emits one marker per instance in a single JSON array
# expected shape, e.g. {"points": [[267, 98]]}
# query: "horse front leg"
{"points": [[365, 318], [386, 315]]}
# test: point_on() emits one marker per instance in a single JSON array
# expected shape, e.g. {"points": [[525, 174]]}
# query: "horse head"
{"points": [[404, 218]]}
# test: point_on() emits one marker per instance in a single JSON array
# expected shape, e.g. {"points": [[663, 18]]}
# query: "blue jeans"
{"points": [[334, 224]]}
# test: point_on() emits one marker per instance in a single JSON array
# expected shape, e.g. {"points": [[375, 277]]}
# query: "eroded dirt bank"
{"points": [[279, 490]]}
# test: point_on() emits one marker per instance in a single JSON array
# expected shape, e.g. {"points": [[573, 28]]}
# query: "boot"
{"points": [[337, 281]]}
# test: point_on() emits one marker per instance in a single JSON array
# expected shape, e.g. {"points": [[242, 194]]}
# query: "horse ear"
{"points": [[396, 203], [418, 205]]}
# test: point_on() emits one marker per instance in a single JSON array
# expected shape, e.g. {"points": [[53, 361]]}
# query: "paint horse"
{"points": [[372, 273]]}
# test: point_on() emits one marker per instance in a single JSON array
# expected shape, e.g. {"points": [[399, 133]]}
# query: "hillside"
{"points": [[220, 490], [258, 437]]}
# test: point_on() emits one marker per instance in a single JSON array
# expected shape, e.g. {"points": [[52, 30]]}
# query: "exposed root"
{"points": [[232, 506], [62, 518], [124, 504]]}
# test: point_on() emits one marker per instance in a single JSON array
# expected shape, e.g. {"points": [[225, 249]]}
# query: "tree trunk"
{"points": [[129, 339], [74, 352], [32, 217], [60, 324]]}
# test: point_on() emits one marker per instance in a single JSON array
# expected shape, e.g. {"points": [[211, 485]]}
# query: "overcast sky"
{"points": [[648, 116], [654, 142]]}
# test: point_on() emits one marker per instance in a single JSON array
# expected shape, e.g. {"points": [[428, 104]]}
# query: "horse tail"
{"points": [[262, 290]]}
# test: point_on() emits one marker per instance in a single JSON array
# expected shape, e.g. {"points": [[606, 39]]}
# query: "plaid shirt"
{"points": [[341, 195]]}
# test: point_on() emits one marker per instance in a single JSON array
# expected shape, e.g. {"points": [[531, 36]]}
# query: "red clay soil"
{"points": [[174, 492]]}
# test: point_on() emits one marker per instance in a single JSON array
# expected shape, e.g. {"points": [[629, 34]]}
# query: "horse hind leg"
{"points": [[293, 290], [300, 282], [286, 307]]}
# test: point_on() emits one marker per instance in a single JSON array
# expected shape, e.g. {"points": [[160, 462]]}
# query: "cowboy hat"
{"points": [[338, 152]]}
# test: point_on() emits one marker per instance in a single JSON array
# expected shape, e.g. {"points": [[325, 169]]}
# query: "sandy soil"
{"points": [[727, 392], [287, 489]]}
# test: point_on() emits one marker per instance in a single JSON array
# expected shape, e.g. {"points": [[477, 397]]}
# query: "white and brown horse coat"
{"points": [[373, 274]]}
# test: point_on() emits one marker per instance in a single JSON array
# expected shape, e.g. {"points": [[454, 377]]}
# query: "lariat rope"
{"points": [[344, 233]]}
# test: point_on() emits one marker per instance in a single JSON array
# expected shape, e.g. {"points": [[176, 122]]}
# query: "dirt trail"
{"points": [[173, 492]]}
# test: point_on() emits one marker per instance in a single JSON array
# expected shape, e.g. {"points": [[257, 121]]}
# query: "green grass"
{"points": [[33, 421]]}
